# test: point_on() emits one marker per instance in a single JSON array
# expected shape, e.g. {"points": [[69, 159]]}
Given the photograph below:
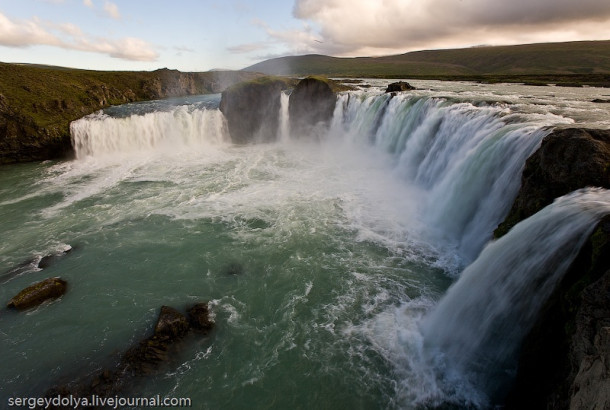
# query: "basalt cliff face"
{"points": [[252, 109], [565, 359], [37, 104]]}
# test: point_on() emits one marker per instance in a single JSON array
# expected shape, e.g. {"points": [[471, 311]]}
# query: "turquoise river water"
{"points": [[325, 262]]}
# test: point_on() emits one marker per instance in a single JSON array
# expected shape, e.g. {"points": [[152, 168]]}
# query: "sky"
{"points": [[200, 35]]}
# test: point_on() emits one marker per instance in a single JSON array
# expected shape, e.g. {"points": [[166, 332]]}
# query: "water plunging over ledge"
{"points": [[345, 247]]}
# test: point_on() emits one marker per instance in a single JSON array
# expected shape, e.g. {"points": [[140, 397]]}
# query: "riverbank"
{"points": [[37, 103]]}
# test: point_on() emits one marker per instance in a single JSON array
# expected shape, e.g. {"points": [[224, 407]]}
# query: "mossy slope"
{"points": [[38, 103]]}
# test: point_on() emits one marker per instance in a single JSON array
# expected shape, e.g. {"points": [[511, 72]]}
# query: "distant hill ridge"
{"points": [[570, 58]]}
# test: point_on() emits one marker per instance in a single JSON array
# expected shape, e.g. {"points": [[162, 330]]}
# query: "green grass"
{"points": [[37, 103]]}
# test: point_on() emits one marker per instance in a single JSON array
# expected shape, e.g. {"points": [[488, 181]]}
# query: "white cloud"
{"points": [[69, 36], [112, 10], [24, 33], [88, 3], [363, 27]]}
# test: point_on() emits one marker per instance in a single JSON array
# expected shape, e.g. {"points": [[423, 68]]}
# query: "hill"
{"points": [[37, 103], [572, 61]]}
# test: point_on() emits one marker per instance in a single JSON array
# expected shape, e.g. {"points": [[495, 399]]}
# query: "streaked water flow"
{"points": [[343, 247]]}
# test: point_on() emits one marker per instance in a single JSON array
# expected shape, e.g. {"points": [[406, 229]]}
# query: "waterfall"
{"points": [[284, 126], [466, 159], [463, 160], [475, 330], [183, 126]]}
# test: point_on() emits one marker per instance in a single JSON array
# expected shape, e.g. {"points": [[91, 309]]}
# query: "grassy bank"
{"points": [[37, 103]]}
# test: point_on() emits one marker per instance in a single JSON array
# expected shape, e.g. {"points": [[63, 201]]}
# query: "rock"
{"points": [[311, 107], [171, 323], [601, 101], [564, 359], [48, 260], [234, 268], [562, 355], [146, 358], [199, 317], [568, 159], [399, 86], [34, 295], [591, 353], [252, 109]]}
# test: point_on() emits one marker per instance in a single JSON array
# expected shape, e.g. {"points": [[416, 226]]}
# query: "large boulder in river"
{"points": [[252, 109], [37, 293], [311, 107], [568, 159], [399, 86]]}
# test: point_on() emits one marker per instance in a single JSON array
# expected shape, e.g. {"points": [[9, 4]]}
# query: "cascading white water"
{"points": [[474, 332], [342, 240], [463, 160], [466, 159], [284, 128], [99, 134]]}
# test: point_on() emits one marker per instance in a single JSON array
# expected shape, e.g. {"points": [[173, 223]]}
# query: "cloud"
{"points": [[69, 36], [112, 10], [362, 27], [24, 33], [88, 3], [246, 48]]}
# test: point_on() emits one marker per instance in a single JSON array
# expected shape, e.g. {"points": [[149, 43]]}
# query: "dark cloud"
{"points": [[362, 27]]}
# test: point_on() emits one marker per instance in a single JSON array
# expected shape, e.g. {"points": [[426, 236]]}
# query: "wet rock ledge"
{"points": [[565, 359]]}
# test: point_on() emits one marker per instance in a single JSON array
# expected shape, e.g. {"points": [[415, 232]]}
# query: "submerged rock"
{"points": [[34, 295], [252, 109], [33, 265], [48, 260], [399, 86], [311, 107], [146, 357], [234, 268]]}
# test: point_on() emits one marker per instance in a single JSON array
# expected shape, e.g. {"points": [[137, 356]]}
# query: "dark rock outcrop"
{"points": [[564, 358], [38, 293], [145, 358], [199, 317], [311, 107], [171, 323], [399, 86], [568, 159], [252, 109]]}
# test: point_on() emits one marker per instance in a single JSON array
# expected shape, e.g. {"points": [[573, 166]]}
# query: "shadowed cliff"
{"points": [[564, 360]]}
